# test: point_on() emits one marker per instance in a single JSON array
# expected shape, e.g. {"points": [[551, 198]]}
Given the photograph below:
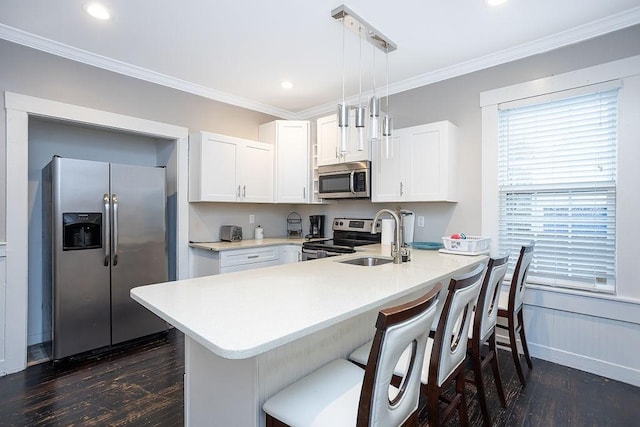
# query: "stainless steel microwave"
{"points": [[345, 181]]}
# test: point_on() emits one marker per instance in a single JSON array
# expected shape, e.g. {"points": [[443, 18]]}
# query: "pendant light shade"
{"points": [[387, 126], [343, 125], [360, 122], [374, 114]]}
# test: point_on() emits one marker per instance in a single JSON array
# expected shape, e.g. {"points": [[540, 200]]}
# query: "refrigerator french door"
{"points": [[108, 235]]}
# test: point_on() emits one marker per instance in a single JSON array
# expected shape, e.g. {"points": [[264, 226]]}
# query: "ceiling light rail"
{"points": [[355, 24]]}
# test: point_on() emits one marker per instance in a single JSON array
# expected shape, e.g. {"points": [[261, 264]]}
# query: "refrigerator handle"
{"points": [[107, 231], [115, 229]]}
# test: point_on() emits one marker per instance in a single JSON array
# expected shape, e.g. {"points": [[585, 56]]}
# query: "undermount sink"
{"points": [[367, 261]]}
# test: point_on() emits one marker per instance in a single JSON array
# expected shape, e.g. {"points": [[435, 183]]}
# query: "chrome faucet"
{"points": [[397, 244]]}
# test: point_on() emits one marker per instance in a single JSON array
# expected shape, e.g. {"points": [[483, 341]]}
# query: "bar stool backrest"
{"points": [[516, 291], [450, 341], [486, 314], [398, 328]]}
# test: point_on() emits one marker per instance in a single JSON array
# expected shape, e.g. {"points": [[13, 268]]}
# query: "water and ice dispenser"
{"points": [[81, 231]]}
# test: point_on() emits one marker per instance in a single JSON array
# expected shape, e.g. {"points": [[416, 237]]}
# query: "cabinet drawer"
{"points": [[249, 256]]}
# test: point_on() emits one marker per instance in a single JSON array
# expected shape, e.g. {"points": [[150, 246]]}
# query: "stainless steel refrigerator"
{"points": [[105, 233]]}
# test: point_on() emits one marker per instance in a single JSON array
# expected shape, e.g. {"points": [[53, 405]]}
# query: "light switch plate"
{"points": [[420, 221], [252, 218]]}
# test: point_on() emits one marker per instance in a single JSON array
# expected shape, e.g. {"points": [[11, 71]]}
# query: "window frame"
{"points": [[627, 71], [541, 195]]}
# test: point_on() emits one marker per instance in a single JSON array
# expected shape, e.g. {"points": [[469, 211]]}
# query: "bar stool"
{"points": [[343, 394], [483, 331], [446, 352], [510, 308]]}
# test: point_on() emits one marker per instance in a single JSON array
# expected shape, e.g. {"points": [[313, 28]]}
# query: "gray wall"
{"points": [[35, 73], [31, 72], [458, 100]]}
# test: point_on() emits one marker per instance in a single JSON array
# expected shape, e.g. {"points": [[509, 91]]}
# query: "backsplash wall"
{"points": [[205, 219]]}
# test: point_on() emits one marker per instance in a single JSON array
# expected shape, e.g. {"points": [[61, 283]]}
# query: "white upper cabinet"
{"points": [[227, 169], [328, 141], [386, 171], [291, 141], [328, 137], [419, 166]]}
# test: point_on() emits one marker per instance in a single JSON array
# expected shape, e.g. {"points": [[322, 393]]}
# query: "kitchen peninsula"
{"points": [[251, 333]]}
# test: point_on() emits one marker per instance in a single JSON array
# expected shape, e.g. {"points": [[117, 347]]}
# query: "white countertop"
{"points": [[240, 315], [247, 244]]}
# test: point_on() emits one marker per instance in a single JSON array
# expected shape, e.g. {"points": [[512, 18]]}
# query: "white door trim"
{"points": [[18, 109]]}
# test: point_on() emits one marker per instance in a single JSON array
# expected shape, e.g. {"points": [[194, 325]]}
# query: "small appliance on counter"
{"points": [[316, 228], [230, 233]]}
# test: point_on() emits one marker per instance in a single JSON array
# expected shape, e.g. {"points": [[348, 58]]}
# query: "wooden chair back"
{"points": [[519, 278], [397, 328], [450, 341], [486, 312]]}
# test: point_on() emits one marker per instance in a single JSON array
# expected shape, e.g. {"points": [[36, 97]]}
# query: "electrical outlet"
{"points": [[420, 221], [252, 218]]}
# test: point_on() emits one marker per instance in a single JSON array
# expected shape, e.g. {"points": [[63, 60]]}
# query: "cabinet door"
{"points": [[290, 254], [430, 168], [292, 166], [218, 170], [328, 137], [387, 174], [255, 172], [353, 154]]}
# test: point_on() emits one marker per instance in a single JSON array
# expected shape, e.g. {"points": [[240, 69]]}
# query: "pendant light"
{"points": [[360, 111], [374, 106], [387, 122], [343, 108], [362, 29]]}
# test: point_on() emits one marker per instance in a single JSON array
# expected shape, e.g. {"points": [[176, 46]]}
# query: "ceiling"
{"points": [[239, 52]]}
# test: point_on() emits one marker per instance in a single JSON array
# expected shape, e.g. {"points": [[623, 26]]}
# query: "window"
{"points": [[557, 186]]}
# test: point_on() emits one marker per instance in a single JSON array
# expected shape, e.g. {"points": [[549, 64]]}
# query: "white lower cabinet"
{"points": [[206, 262], [290, 254], [248, 259], [417, 166], [228, 169]]}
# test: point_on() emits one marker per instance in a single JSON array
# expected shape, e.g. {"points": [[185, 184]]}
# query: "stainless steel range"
{"points": [[347, 234]]}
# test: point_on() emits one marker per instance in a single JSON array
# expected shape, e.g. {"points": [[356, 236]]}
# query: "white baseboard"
{"points": [[587, 364]]}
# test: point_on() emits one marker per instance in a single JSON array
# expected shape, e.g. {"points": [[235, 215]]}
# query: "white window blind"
{"points": [[557, 187]]}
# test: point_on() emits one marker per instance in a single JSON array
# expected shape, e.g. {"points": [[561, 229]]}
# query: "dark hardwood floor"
{"points": [[142, 386]]}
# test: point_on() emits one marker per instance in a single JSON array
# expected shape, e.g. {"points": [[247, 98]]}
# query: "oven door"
{"points": [[309, 254], [346, 181]]}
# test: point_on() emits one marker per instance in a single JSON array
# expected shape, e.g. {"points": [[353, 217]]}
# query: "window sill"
{"points": [[585, 303]]}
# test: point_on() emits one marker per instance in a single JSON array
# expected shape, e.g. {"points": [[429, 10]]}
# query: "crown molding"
{"points": [[79, 55], [574, 35], [564, 38]]}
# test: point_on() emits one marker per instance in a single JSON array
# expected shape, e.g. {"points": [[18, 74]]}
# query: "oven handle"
{"points": [[351, 178]]}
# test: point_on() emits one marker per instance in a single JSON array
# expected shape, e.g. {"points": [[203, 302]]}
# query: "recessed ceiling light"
{"points": [[97, 10], [286, 84], [495, 2]]}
